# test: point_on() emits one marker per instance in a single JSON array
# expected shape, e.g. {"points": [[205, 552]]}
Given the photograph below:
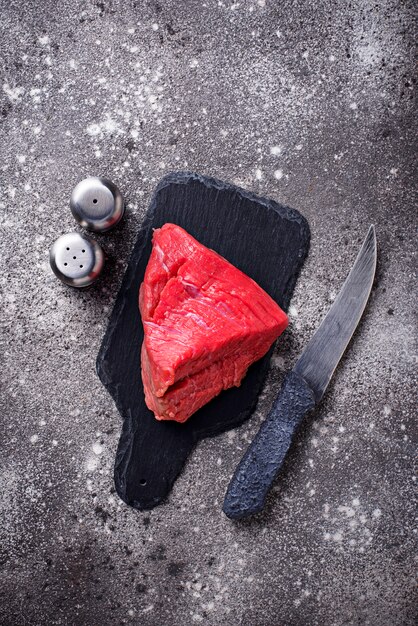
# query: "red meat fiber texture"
{"points": [[205, 322]]}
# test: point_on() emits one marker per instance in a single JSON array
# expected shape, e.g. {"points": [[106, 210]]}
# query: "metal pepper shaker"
{"points": [[76, 259], [97, 204]]}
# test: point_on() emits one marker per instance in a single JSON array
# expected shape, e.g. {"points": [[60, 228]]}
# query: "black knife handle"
{"points": [[263, 459]]}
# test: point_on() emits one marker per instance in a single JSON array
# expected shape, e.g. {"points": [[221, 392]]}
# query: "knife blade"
{"points": [[302, 389]]}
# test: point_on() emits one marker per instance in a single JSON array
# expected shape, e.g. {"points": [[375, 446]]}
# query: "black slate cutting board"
{"points": [[268, 242]]}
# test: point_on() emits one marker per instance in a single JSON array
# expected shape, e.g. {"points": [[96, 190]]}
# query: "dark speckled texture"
{"points": [[309, 103], [253, 478], [268, 242]]}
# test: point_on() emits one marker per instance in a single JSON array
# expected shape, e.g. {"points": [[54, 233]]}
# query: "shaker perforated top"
{"points": [[76, 259], [97, 204]]}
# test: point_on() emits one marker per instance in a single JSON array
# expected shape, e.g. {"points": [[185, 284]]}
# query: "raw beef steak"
{"points": [[205, 322]]}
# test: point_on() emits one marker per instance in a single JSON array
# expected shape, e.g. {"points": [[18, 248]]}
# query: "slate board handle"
{"points": [[251, 482]]}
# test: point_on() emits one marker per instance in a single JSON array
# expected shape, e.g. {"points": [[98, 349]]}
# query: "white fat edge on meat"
{"points": [[199, 321], [160, 254]]}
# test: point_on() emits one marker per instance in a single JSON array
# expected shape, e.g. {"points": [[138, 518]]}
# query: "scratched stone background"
{"points": [[310, 103]]}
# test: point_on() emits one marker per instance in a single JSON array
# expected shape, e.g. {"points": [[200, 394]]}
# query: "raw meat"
{"points": [[205, 322]]}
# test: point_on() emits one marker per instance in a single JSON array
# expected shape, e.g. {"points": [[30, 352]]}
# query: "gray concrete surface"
{"points": [[310, 103]]}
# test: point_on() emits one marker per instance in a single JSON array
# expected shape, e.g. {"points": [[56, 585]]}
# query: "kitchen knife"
{"points": [[302, 389]]}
